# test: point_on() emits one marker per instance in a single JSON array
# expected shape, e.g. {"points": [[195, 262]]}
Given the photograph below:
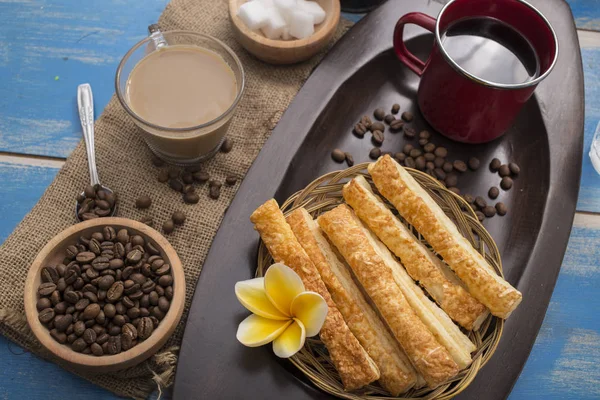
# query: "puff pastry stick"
{"points": [[431, 359], [354, 365], [421, 211], [397, 373], [420, 263]]}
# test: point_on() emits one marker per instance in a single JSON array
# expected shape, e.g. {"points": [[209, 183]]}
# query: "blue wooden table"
{"points": [[48, 47]]}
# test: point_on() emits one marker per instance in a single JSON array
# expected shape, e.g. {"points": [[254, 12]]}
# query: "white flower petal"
{"points": [[290, 341], [282, 285], [255, 331], [311, 309], [251, 294]]}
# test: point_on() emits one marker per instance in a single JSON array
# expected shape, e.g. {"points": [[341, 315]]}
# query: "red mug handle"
{"points": [[408, 58]]}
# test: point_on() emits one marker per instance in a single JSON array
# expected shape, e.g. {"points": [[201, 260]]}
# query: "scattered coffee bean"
{"points": [[501, 209], [377, 138], [389, 119], [400, 157], [407, 148], [409, 132], [396, 125], [451, 180], [439, 162], [495, 165], [366, 121], [514, 168], [459, 165], [178, 218], [147, 220], [480, 216], [439, 174], [377, 126], [407, 116], [480, 202], [489, 211], [191, 198], [474, 163], [375, 153], [201, 176], [506, 183], [469, 198], [423, 142], [379, 114], [447, 167], [414, 153], [360, 130], [429, 156], [441, 152], [504, 170], [493, 192], [410, 162], [144, 201], [187, 177], [215, 191], [429, 165], [420, 163], [95, 203], [424, 134], [168, 227], [227, 145], [338, 155], [395, 108], [429, 148], [349, 159]]}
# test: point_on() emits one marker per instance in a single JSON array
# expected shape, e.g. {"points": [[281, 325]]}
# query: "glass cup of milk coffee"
{"points": [[181, 88]]}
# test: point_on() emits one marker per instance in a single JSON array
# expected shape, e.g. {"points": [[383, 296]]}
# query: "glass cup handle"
{"points": [[408, 58], [157, 36]]}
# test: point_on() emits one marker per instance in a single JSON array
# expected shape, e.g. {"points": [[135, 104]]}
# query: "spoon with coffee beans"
{"points": [[96, 200]]}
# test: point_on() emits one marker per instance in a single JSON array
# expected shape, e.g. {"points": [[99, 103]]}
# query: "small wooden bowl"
{"points": [[286, 51], [53, 254]]}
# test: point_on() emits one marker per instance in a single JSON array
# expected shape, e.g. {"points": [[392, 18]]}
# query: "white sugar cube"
{"points": [[301, 25], [286, 8], [254, 14], [275, 25], [314, 9]]}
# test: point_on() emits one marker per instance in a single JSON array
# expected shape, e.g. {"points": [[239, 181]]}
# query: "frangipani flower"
{"points": [[283, 311]]}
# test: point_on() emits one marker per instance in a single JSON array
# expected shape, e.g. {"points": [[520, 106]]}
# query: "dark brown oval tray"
{"points": [[359, 74]]}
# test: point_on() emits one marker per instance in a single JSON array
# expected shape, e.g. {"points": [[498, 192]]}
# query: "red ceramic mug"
{"points": [[455, 102]]}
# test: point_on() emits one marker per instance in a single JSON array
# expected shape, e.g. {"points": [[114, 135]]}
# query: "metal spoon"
{"points": [[85, 103]]}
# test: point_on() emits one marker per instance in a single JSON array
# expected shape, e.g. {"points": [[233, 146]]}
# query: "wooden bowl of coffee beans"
{"points": [[105, 294]]}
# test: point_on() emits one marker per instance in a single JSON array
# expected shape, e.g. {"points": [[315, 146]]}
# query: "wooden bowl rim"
{"points": [[331, 21], [139, 352]]}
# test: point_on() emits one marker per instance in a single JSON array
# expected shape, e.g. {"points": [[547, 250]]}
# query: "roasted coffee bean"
{"points": [[85, 257], [114, 345], [95, 247], [109, 233], [145, 270], [126, 342], [495, 165], [168, 227], [136, 296], [133, 312], [506, 183], [134, 256], [227, 145], [504, 170], [61, 269], [145, 301], [155, 321], [366, 121], [119, 320], [395, 108], [71, 338], [138, 278], [153, 297], [90, 311], [447, 167], [89, 288], [501, 209], [49, 274], [46, 288], [96, 349], [127, 302], [152, 249], [160, 290], [46, 315], [91, 273], [43, 303], [439, 174], [173, 173], [377, 137], [79, 328], [407, 116], [144, 201], [79, 345], [389, 119], [187, 177], [469, 198], [169, 292], [101, 263], [360, 130], [61, 308], [429, 156], [115, 292], [59, 336], [489, 211], [441, 152], [144, 312], [377, 126], [438, 162], [430, 166], [215, 191], [106, 282], [480, 216], [400, 156], [409, 133], [89, 192], [116, 263], [102, 338], [514, 168], [176, 185], [114, 330], [91, 296], [78, 284], [480, 202], [379, 113], [451, 180], [163, 176], [423, 142], [396, 125], [101, 295], [163, 304], [375, 153], [459, 165], [138, 240], [157, 313], [62, 322], [101, 318], [429, 148], [414, 153], [407, 148], [145, 328], [420, 163], [409, 162], [109, 310], [474, 163], [201, 176], [103, 205], [130, 330], [493, 192], [89, 336], [349, 159]]}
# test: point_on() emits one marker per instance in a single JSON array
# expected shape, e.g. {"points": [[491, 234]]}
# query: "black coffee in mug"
{"points": [[491, 50]]}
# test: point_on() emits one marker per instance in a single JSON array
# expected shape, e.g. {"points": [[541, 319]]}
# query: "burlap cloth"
{"points": [[124, 165]]}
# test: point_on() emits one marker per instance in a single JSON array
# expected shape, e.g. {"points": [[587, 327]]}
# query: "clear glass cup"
{"points": [[182, 146]]}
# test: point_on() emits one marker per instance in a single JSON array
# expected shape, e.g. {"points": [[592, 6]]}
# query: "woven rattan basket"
{"points": [[313, 360]]}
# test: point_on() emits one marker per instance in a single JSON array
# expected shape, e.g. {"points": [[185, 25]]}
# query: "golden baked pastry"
{"points": [[352, 362], [346, 232], [397, 373], [421, 211], [421, 264]]}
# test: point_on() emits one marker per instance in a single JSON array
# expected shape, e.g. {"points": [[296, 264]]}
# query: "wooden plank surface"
{"points": [[48, 47]]}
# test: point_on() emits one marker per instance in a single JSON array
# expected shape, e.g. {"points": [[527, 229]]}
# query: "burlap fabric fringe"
{"points": [[124, 165]]}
